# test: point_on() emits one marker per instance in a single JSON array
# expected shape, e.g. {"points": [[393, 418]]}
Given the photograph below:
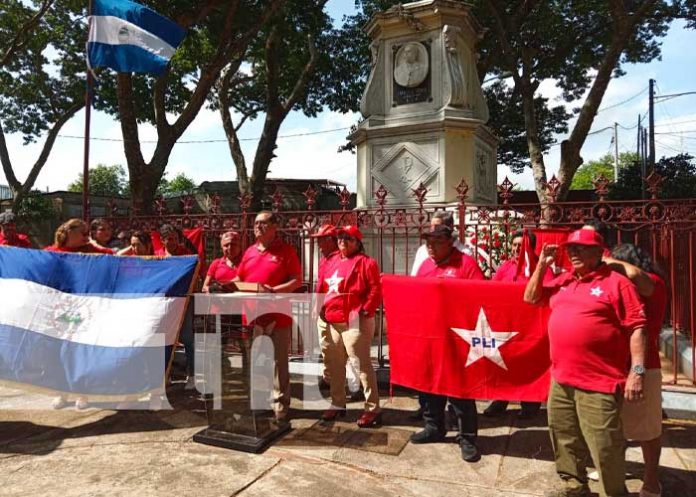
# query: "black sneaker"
{"points": [[528, 412], [495, 409], [470, 452], [417, 415], [356, 396], [427, 437]]}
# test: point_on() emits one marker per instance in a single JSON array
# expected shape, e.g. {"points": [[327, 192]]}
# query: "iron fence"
{"points": [[666, 228]]}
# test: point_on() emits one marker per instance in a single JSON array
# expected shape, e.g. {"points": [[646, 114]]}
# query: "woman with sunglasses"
{"points": [[351, 282]]}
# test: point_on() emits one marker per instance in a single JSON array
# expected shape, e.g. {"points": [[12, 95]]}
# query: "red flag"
{"points": [[554, 236], [527, 261], [466, 339]]}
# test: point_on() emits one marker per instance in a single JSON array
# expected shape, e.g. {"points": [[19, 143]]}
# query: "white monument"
{"points": [[425, 114]]}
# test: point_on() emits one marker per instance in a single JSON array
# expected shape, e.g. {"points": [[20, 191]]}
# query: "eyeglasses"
{"points": [[263, 222], [346, 238]]}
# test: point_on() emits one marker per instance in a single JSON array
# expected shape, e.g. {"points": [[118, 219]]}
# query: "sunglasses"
{"points": [[347, 238]]}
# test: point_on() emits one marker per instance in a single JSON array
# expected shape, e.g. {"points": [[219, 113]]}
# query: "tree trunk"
{"points": [[264, 156], [536, 156]]}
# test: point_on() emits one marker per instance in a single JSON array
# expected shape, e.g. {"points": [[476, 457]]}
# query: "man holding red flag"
{"points": [[596, 329], [445, 261], [518, 269]]}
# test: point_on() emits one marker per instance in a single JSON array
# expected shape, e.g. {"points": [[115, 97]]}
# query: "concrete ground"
{"points": [[71, 453]]}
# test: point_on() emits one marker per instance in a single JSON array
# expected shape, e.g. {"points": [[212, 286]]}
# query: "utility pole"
{"points": [[616, 152], [644, 163], [651, 125], [640, 132]]}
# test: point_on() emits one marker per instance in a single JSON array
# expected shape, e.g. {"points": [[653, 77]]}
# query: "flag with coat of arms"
{"points": [[129, 37]]}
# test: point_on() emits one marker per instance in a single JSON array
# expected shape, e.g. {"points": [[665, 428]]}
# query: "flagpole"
{"points": [[88, 120]]}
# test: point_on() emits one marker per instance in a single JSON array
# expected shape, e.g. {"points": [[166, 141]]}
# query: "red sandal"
{"points": [[369, 419]]}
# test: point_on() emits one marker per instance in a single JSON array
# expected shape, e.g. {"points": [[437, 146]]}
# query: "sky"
{"points": [[308, 147]]}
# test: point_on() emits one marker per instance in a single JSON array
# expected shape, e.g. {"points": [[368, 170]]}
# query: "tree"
{"points": [[590, 171], [504, 102], [41, 77], [582, 45], [103, 180], [219, 34], [180, 185], [289, 63], [678, 172]]}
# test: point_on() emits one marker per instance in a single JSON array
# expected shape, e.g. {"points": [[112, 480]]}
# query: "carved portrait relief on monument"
{"points": [[411, 73]]}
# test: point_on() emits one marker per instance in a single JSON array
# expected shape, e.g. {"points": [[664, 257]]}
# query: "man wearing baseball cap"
{"points": [[597, 342], [326, 241], [446, 261], [8, 232]]}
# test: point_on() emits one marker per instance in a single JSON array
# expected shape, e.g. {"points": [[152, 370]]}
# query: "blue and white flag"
{"points": [[129, 37], [89, 324]]}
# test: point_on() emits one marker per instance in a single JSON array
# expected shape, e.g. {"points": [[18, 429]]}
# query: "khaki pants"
{"points": [[281, 376], [340, 343], [587, 424]]}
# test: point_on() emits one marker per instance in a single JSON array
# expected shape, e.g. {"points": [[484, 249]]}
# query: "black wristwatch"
{"points": [[638, 369]]}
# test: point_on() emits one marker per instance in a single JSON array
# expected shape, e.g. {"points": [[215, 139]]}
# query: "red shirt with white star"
{"points": [[352, 284], [275, 265], [589, 327], [457, 265]]}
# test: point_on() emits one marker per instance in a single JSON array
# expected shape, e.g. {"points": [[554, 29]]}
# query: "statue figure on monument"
{"points": [[411, 65]]}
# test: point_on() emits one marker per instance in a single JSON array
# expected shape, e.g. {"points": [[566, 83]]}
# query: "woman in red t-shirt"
{"points": [[352, 285], [643, 421], [224, 269], [73, 236]]}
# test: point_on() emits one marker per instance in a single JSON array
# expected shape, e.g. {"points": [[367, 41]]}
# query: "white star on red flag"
{"points": [[484, 342]]}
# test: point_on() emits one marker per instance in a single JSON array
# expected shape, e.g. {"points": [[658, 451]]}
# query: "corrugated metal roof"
{"points": [[5, 192]]}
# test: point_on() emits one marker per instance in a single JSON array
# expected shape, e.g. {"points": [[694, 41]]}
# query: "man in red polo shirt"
{"points": [[445, 261], [596, 330], [508, 272], [8, 232], [171, 243], [276, 267]]}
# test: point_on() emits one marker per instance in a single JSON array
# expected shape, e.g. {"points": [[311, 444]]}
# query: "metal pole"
{"points": [[643, 163], [651, 125], [616, 152], [640, 131], [88, 119]]}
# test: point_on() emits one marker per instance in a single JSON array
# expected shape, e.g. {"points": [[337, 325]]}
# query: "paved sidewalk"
{"points": [[69, 453]]}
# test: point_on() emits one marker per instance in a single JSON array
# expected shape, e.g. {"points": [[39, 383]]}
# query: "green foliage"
{"points": [[47, 75], [103, 180], [179, 185], [605, 165], [507, 120], [35, 207], [678, 172]]}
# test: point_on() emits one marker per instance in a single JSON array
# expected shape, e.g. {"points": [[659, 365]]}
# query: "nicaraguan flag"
{"points": [[89, 324], [129, 37]]}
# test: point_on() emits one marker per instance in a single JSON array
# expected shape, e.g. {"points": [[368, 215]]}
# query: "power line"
{"points": [[674, 124], [215, 140], [624, 101]]}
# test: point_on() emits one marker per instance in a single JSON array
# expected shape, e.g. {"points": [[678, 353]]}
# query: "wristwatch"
{"points": [[638, 369]]}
